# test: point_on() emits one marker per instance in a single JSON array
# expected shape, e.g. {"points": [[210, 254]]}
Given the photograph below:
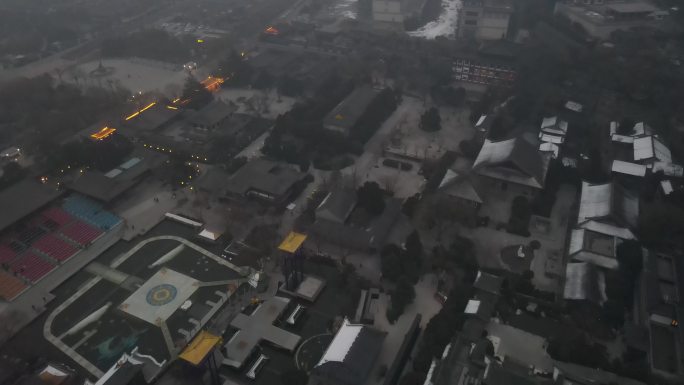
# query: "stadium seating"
{"points": [[30, 235], [32, 267], [58, 216], [81, 233], [6, 254], [10, 286], [90, 211], [54, 247]]}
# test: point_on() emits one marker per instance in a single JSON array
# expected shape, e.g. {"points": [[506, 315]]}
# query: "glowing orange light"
{"points": [[147, 107], [271, 30], [105, 132], [172, 107], [200, 40], [212, 84], [175, 100], [133, 115]]}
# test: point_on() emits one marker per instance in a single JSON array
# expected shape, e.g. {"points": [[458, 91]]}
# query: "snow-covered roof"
{"points": [[613, 127], [608, 229], [554, 126], [622, 138], [583, 281], [513, 160], [480, 121], [472, 306], [641, 129], [607, 201], [549, 122], [449, 176], [574, 106], [595, 201], [669, 169], [666, 185], [629, 168], [455, 185], [650, 147], [549, 147], [342, 343], [544, 137]]}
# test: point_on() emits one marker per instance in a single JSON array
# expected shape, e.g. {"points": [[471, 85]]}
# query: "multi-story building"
{"points": [[484, 19], [391, 14], [494, 63], [600, 18]]}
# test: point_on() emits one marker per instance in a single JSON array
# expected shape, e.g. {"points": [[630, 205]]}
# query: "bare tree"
{"points": [[389, 182]]}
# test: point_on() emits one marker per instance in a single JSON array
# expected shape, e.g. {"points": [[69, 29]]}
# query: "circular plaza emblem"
{"points": [[161, 294]]}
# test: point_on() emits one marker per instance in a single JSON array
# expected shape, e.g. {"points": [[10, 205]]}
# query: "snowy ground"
{"points": [[445, 25], [136, 75], [345, 8], [266, 104]]}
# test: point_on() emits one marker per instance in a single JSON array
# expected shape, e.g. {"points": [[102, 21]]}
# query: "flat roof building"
{"points": [[484, 19], [346, 114], [264, 180], [600, 18], [212, 115], [258, 327], [107, 186]]}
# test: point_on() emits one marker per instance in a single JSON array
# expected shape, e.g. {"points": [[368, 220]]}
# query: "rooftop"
{"points": [[108, 186], [160, 296], [584, 281], [608, 202], [257, 327], [459, 186], [628, 168], [264, 176], [31, 194], [337, 206], [212, 114], [513, 160], [351, 355], [151, 119], [349, 110], [632, 7], [651, 148]]}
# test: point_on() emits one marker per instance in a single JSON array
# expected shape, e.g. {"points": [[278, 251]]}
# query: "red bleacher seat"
{"points": [[6, 254], [10, 286], [31, 266], [81, 233], [58, 215], [55, 247]]}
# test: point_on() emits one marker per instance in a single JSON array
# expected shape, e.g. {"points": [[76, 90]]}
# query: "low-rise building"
{"points": [[212, 115], [346, 114], [608, 209], [264, 180], [513, 161], [484, 19], [600, 18], [658, 309], [494, 63], [350, 357]]}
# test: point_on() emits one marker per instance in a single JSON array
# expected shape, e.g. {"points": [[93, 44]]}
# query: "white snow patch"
{"points": [[346, 9], [445, 25]]}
